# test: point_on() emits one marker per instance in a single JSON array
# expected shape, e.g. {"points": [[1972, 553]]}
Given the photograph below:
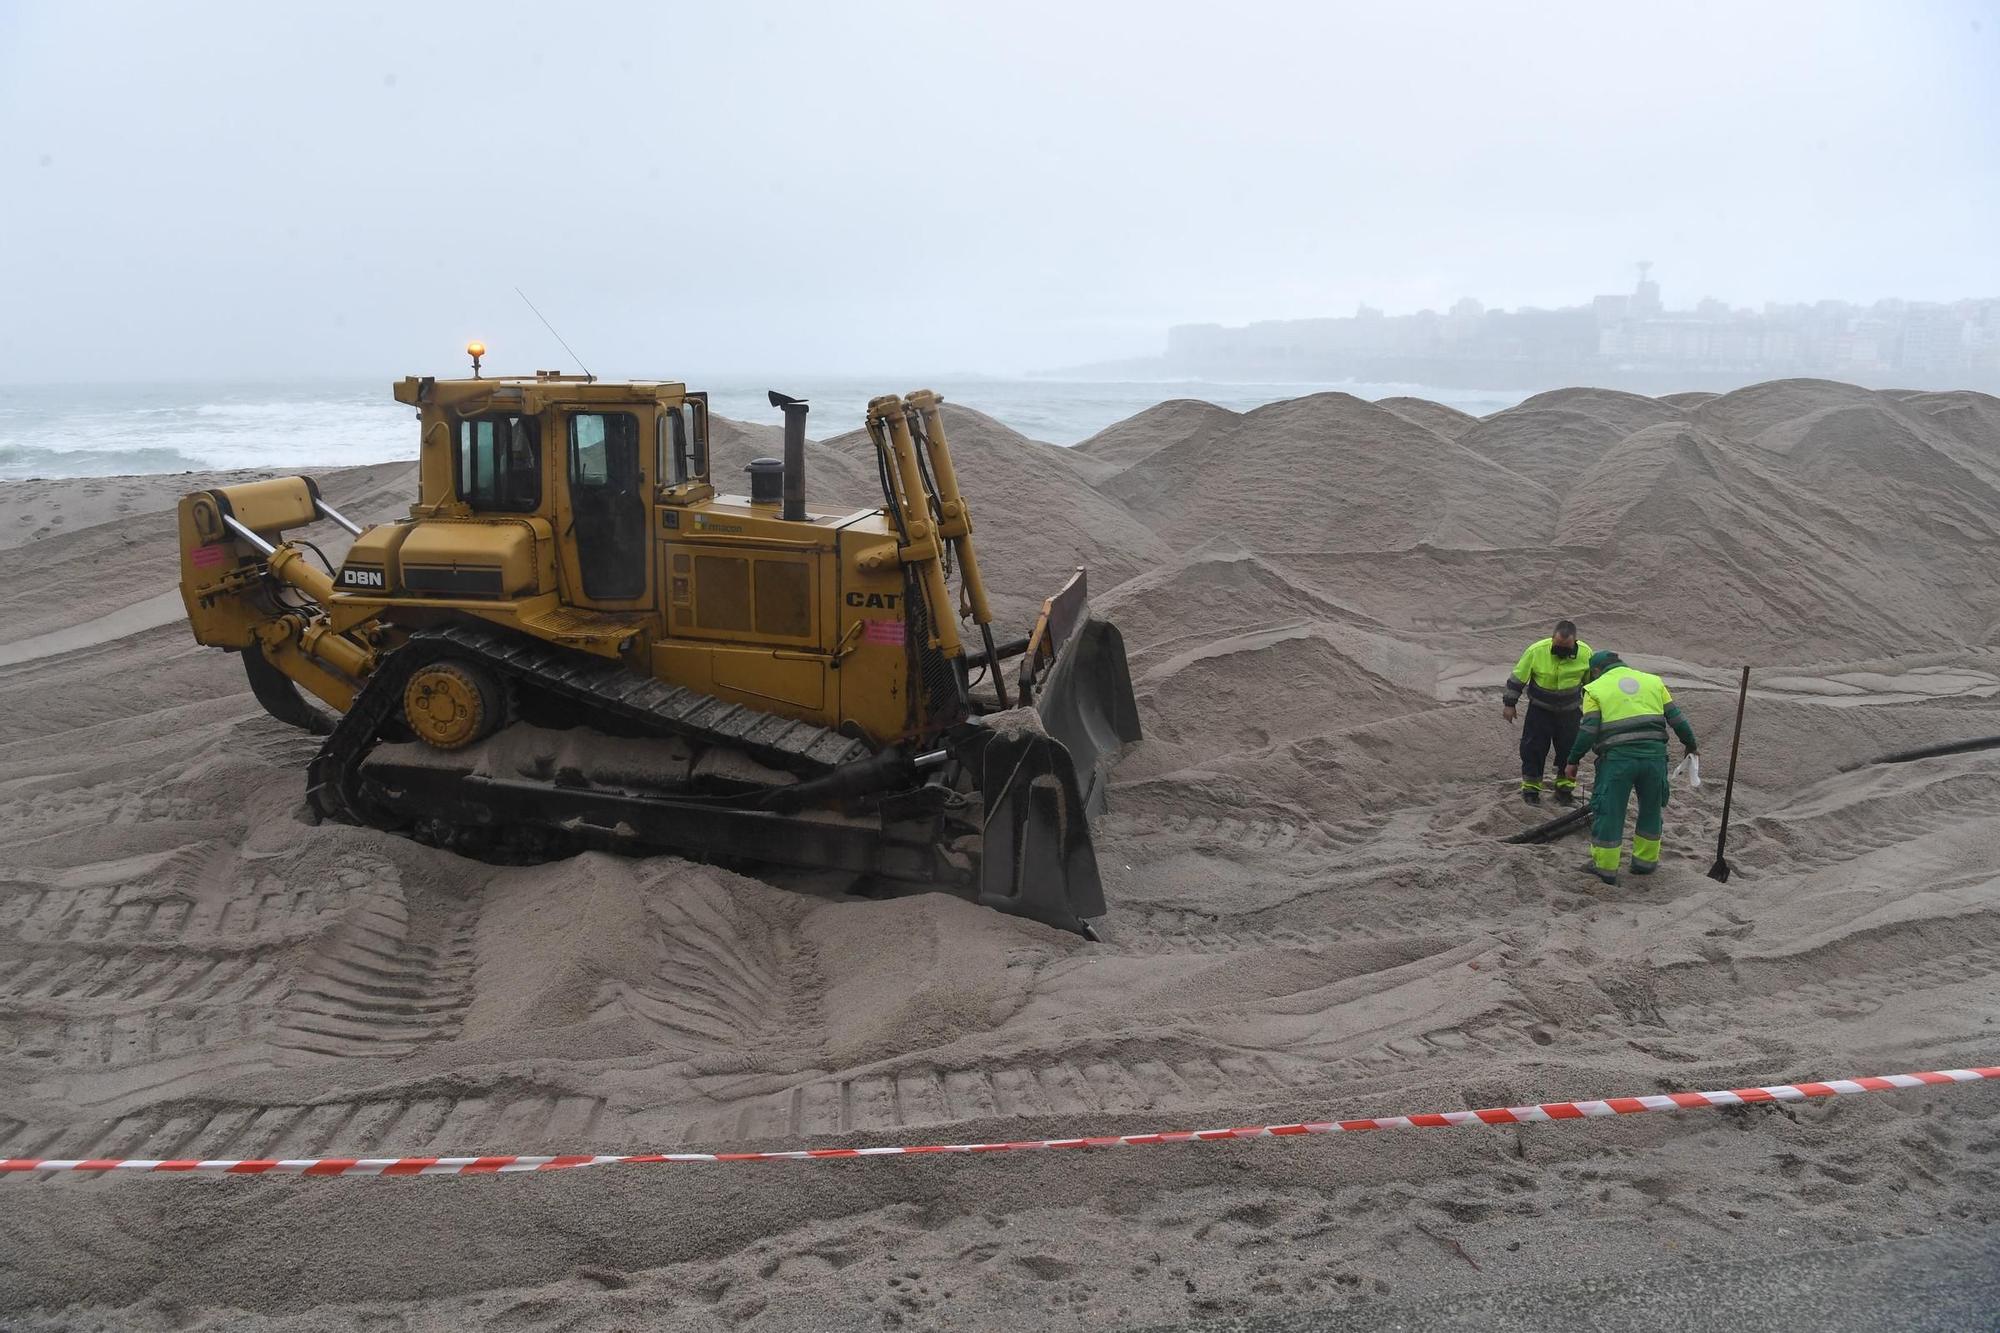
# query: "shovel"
{"points": [[1719, 872]]}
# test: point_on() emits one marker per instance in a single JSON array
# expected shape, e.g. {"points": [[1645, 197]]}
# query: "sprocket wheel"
{"points": [[451, 704]]}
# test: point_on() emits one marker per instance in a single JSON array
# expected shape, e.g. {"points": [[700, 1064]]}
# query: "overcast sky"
{"points": [[265, 190]]}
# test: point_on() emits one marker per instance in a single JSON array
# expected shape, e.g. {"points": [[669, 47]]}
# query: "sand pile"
{"points": [[1627, 411], [1745, 413], [1145, 434], [835, 481], [1310, 915], [1688, 400], [1329, 472], [1890, 472], [1040, 496], [1972, 419], [1548, 445], [1779, 558], [1434, 417], [1553, 437], [1214, 636]]}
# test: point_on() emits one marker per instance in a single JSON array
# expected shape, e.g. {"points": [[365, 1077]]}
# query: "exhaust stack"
{"points": [[795, 410]]}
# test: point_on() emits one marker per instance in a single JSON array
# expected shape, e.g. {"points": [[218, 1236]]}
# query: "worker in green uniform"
{"points": [[1626, 714], [1551, 672]]}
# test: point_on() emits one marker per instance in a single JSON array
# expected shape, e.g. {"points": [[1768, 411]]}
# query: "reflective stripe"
{"points": [[1646, 850], [1604, 858]]}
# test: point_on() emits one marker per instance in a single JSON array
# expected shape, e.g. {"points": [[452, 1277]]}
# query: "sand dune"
{"points": [[1329, 472], [1311, 914], [1434, 417], [1627, 411], [1549, 445], [1039, 495]]}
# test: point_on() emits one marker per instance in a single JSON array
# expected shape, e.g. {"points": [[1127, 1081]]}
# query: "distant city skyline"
{"points": [[1635, 336]]}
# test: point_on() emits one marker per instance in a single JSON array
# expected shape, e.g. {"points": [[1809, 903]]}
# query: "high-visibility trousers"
{"points": [[1619, 774]]}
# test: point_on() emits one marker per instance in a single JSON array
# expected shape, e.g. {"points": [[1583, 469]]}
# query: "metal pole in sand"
{"points": [[1719, 872]]}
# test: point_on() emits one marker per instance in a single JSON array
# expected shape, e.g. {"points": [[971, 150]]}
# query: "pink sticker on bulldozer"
{"points": [[882, 631], [203, 556]]}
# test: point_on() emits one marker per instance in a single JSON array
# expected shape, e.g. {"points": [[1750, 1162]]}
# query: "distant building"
{"points": [[1618, 337]]}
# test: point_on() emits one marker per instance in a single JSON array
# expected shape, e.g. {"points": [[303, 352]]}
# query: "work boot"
{"points": [[1565, 796], [1604, 876], [1532, 795]]}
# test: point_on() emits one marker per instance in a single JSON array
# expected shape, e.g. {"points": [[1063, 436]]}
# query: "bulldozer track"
{"points": [[1273, 836], [149, 975], [1195, 937], [189, 894], [1839, 982], [1330, 913], [600, 690], [1729, 1003], [705, 993], [96, 1041], [379, 986], [924, 1096], [1832, 836], [414, 1124], [105, 805], [1506, 1030]]}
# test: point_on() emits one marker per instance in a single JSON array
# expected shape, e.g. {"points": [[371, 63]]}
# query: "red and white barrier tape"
{"points": [[1496, 1115]]}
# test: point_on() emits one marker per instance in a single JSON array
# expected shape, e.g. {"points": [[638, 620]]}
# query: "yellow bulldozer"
{"points": [[573, 641]]}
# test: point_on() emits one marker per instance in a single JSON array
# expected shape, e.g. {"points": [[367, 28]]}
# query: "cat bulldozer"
{"points": [[573, 641]]}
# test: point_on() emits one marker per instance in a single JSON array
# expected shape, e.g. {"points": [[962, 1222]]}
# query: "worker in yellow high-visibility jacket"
{"points": [[1626, 715], [1551, 673]]}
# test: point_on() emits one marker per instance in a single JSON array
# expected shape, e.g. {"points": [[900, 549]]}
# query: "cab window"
{"points": [[668, 464], [603, 451], [694, 414], [678, 457], [499, 463]]}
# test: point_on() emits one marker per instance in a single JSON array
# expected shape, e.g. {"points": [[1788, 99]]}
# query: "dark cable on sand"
{"points": [[1929, 752], [1554, 828]]}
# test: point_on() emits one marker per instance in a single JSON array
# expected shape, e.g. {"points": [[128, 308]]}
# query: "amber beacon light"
{"points": [[475, 349]]}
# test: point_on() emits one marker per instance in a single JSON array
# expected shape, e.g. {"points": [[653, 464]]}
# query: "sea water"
{"points": [[96, 430]]}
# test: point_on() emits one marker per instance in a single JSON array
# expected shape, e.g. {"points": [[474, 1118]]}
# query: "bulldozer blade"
{"points": [[1037, 860], [1086, 702]]}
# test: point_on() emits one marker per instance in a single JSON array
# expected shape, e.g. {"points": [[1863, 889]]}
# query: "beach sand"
{"points": [[1311, 916]]}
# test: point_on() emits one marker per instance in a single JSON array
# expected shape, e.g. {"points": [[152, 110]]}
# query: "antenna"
{"points": [[559, 338]]}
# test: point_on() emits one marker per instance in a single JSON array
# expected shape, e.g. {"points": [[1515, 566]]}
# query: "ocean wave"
{"points": [[86, 432], [20, 462]]}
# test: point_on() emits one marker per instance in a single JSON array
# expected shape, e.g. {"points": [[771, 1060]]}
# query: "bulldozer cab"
{"points": [[588, 459]]}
